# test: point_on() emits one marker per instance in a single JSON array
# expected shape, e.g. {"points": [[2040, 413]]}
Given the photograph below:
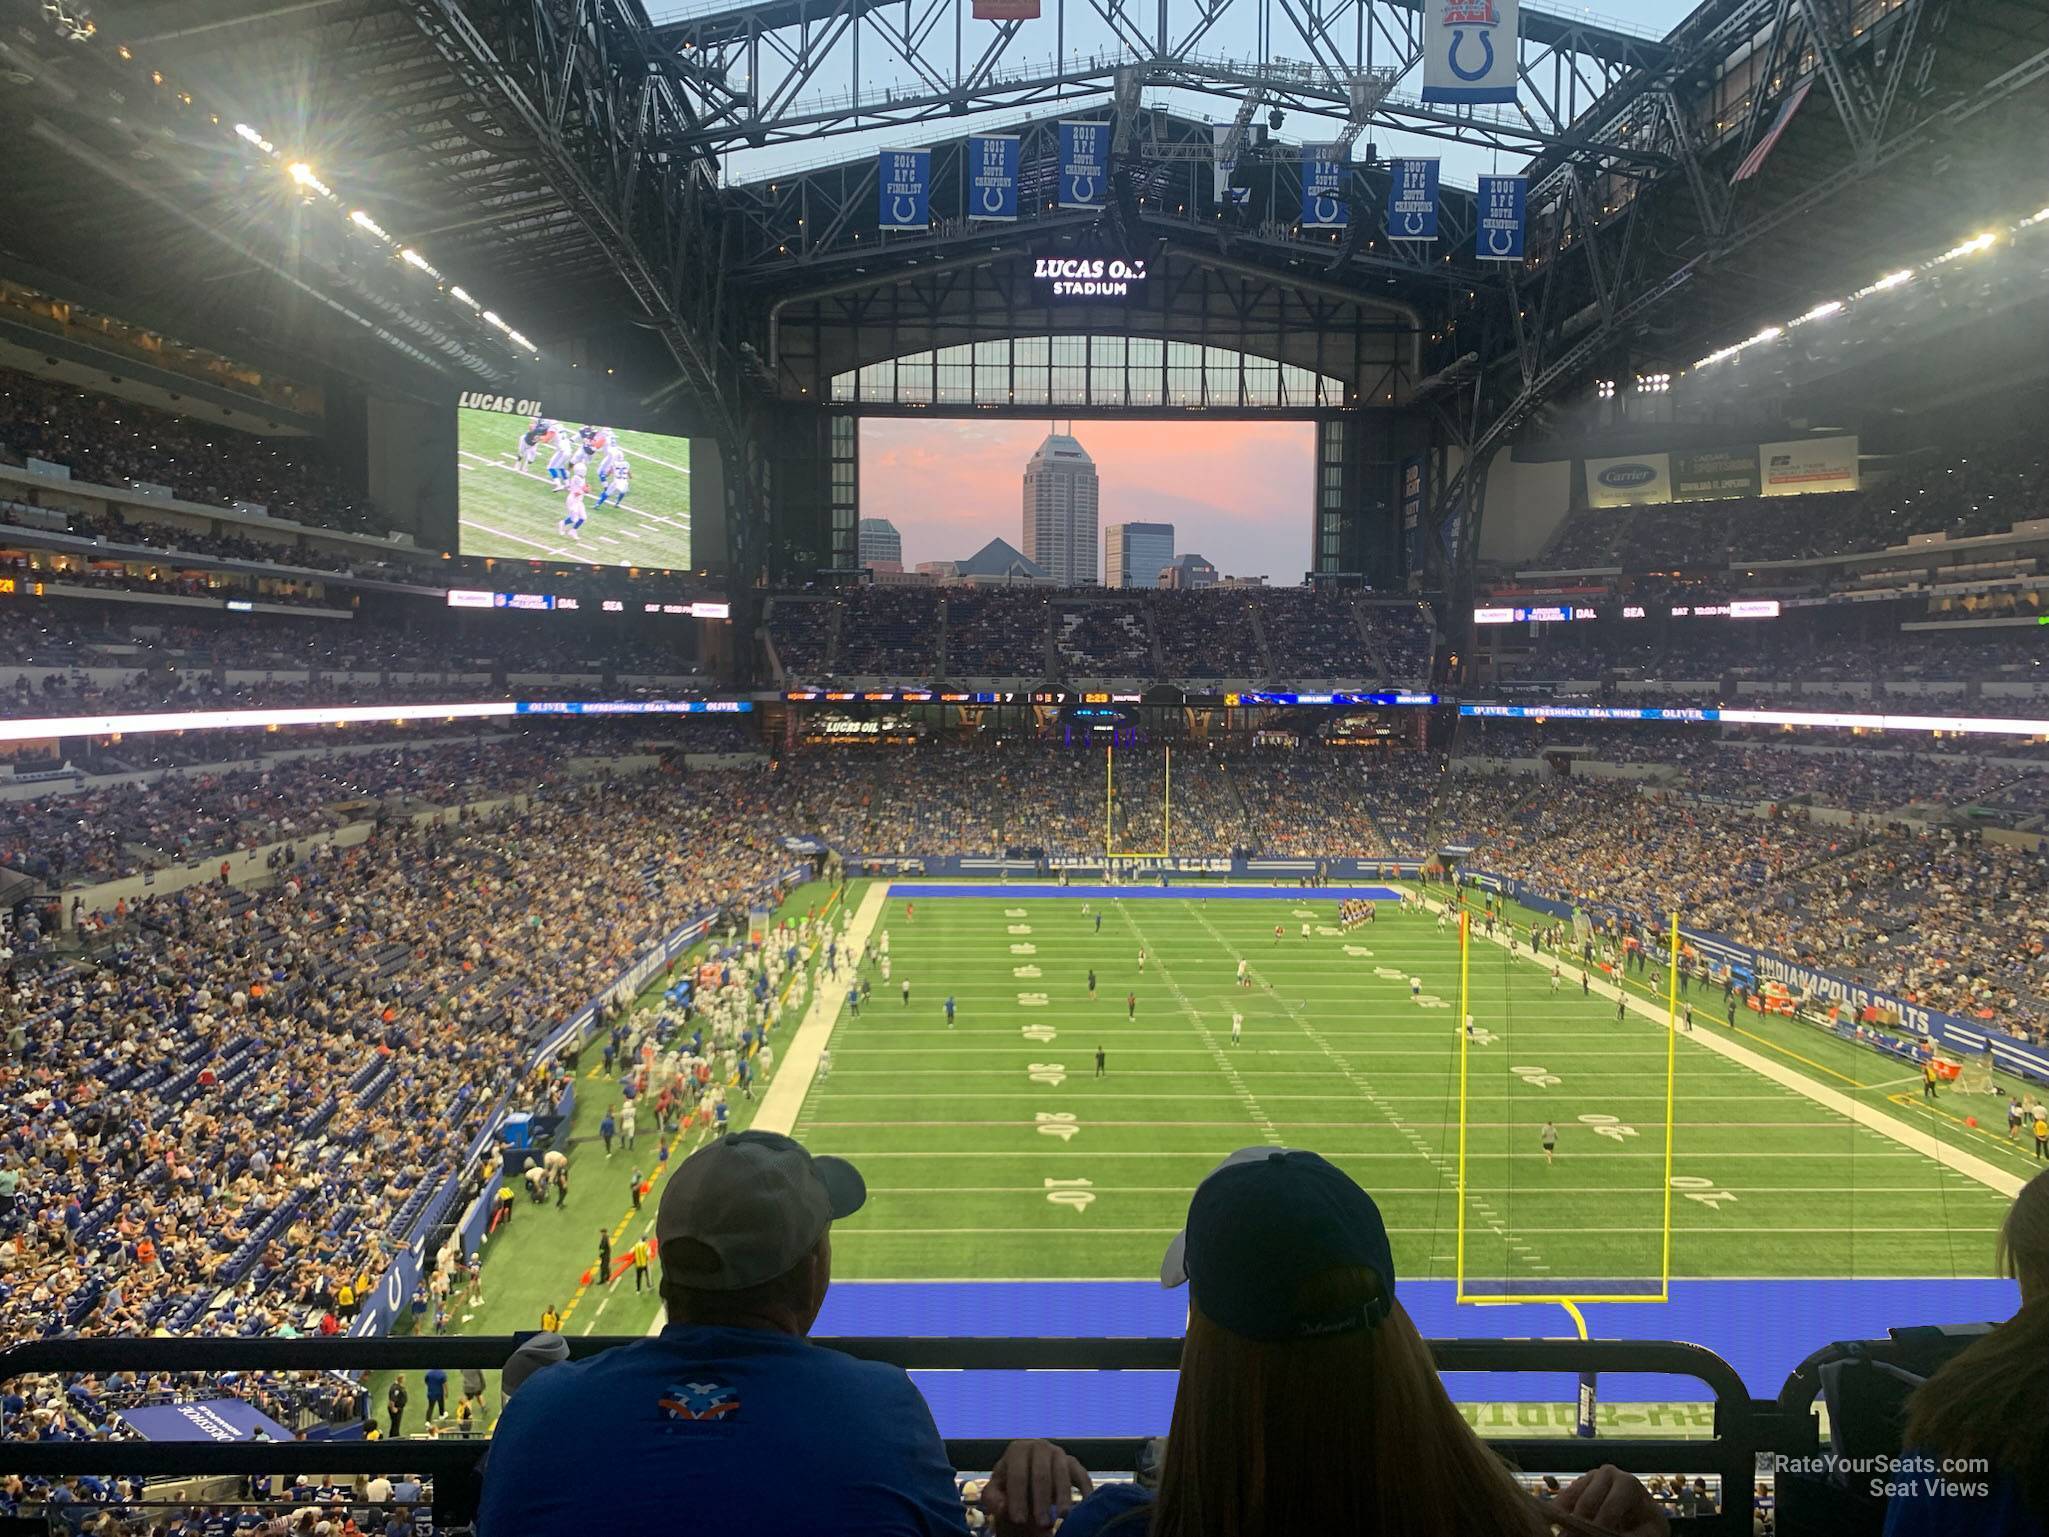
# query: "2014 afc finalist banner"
{"points": [[1501, 218], [904, 187], [992, 176], [1084, 164], [1323, 187], [1412, 200], [1469, 53]]}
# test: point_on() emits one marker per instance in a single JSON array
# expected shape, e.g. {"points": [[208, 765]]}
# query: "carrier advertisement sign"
{"points": [[1808, 465], [1412, 200], [1469, 53], [1084, 164], [1630, 481], [904, 181], [992, 176], [1713, 474]]}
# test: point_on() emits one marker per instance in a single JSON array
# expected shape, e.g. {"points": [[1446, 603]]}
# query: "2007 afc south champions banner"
{"points": [[992, 176], [904, 183], [1084, 164], [1412, 200], [1469, 53]]}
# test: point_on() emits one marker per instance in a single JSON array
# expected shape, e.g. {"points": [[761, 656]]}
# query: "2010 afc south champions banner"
{"points": [[1084, 164], [904, 180], [992, 176], [1412, 200], [1469, 53], [1502, 202], [1323, 186]]}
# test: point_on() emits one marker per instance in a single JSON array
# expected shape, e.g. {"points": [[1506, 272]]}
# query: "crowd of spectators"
{"points": [[1984, 493], [106, 441], [1209, 635], [996, 632], [1104, 639], [890, 633]]}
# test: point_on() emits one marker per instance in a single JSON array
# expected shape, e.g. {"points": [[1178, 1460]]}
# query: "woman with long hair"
{"points": [[1308, 1403], [1981, 1419]]}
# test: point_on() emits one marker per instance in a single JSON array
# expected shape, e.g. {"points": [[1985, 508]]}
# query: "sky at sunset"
{"points": [[1236, 492]]}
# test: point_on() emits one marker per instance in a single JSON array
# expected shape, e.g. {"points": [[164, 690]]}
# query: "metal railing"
{"points": [[1743, 1427]]}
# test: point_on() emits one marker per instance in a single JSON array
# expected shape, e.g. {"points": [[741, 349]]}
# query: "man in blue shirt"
{"points": [[715, 1402]]}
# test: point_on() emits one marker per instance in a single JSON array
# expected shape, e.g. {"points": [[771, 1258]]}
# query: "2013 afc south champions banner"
{"points": [[1323, 187], [1469, 53], [1412, 200], [904, 180], [992, 176], [1084, 164], [1502, 201]]}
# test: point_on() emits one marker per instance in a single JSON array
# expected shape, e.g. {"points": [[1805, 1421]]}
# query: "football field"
{"points": [[996, 1149], [515, 515]]}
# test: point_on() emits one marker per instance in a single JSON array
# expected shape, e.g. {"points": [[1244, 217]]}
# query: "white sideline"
{"points": [[785, 1096], [1842, 1104], [799, 1065]]}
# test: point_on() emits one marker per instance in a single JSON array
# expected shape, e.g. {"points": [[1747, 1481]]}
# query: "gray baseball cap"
{"points": [[757, 1203]]}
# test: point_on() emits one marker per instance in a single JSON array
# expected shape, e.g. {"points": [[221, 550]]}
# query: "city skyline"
{"points": [[1238, 491]]}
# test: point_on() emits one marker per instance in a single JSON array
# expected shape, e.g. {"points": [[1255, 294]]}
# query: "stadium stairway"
{"points": [[1368, 649], [1267, 669]]}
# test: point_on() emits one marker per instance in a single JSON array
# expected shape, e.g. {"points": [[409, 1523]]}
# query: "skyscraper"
{"points": [[1060, 511], [1135, 553], [879, 545]]}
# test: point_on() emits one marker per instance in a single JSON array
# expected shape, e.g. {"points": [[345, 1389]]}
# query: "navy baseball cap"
{"points": [[1263, 1223]]}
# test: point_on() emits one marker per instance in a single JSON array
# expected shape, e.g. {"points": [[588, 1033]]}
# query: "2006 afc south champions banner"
{"points": [[904, 183], [1500, 208], [1469, 53], [1323, 186]]}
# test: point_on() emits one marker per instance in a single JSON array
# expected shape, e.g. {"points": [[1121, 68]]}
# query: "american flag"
{"points": [[1754, 161]]}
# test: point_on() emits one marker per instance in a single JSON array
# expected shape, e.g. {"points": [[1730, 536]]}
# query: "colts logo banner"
{"points": [[992, 176], [1084, 164], [1500, 217], [1412, 200], [904, 179], [696, 1402], [1469, 53], [1323, 185]]}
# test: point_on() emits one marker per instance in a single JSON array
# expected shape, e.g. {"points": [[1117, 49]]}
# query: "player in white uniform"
{"points": [[614, 476], [1237, 1025], [1243, 980], [1415, 989], [564, 446], [572, 517]]}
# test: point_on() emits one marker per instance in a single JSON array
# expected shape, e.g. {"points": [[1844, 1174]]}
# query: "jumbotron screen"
{"points": [[551, 487]]}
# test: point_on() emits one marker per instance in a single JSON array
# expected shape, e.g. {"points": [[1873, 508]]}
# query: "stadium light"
{"points": [[1819, 312], [244, 131], [413, 258], [458, 294], [363, 221], [302, 173], [1970, 247]]}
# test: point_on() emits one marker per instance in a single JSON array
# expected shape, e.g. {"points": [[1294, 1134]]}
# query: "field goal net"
{"points": [[1974, 1072]]}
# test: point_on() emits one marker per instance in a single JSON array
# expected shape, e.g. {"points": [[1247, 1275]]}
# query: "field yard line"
{"points": [[1265, 1123], [1372, 1096], [785, 1097], [1966, 1164]]}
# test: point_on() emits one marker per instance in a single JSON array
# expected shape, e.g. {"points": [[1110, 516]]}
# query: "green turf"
{"points": [[970, 1177], [518, 516]]}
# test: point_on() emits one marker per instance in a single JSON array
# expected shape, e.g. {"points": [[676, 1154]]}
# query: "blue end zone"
{"points": [[1763, 1328], [914, 890]]}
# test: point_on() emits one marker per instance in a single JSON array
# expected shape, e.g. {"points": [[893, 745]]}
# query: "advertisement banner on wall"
{"points": [[1808, 465], [1631, 481], [992, 176], [1713, 474]]}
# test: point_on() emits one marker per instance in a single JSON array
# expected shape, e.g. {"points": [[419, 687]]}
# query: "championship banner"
{"points": [[1809, 464], [992, 176], [1713, 474], [1412, 200], [904, 179], [1629, 482], [1006, 10], [1323, 186], [1222, 168], [1084, 164], [1469, 53], [1501, 221]]}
